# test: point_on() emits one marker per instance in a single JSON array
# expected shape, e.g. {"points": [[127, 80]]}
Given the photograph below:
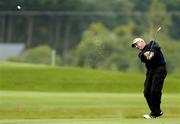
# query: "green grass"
{"points": [[35, 105], [39, 94], [92, 121], [27, 77], [41, 107]]}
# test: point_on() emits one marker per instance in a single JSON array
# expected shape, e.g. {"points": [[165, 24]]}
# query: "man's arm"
{"points": [[142, 56]]}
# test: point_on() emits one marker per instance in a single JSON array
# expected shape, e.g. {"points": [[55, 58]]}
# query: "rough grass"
{"points": [[70, 79]]}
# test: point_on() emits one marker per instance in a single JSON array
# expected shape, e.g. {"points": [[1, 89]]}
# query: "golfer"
{"points": [[152, 56]]}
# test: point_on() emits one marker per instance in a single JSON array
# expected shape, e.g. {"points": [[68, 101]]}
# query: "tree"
{"points": [[99, 48], [94, 47], [157, 16]]}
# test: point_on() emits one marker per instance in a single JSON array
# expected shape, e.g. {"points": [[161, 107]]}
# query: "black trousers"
{"points": [[153, 88]]}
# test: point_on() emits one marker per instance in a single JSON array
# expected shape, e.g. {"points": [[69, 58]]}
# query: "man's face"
{"points": [[139, 45]]}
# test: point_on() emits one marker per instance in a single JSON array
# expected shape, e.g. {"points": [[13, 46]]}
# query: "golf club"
{"points": [[153, 41], [155, 36]]}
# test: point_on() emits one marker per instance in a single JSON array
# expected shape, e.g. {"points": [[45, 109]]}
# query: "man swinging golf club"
{"points": [[152, 56]]}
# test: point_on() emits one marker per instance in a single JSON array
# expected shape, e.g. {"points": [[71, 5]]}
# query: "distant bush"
{"points": [[36, 55]]}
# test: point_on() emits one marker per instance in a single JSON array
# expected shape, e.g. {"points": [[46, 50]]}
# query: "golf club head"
{"points": [[155, 36], [159, 29]]}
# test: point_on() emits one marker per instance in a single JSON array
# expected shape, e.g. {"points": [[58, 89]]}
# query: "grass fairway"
{"points": [[82, 108], [92, 121]]}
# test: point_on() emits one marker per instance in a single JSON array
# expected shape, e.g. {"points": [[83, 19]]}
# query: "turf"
{"points": [[92, 121], [27, 77], [39, 94], [43, 105]]}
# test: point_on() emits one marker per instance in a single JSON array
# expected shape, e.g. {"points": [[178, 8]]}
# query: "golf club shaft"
{"points": [[154, 39], [152, 44]]}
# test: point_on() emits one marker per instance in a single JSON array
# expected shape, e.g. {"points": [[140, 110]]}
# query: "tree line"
{"points": [[63, 25]]}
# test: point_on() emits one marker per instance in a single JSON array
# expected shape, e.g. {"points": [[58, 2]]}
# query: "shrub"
{"points": [[36, 55]]}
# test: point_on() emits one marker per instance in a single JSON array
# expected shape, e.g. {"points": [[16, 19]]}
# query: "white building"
{"points": [[10, 50]]}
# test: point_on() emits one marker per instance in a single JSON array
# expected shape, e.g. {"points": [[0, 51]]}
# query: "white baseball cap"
{"points": [[136, 40]]}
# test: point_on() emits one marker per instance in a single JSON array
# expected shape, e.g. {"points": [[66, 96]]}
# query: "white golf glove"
{"points": [[148, 55]]}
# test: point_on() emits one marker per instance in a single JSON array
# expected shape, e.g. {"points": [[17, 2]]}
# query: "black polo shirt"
{"points": [[157, 60]]}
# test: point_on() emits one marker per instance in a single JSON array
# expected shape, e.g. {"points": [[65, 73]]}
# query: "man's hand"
{"points": [[148, 55]]}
